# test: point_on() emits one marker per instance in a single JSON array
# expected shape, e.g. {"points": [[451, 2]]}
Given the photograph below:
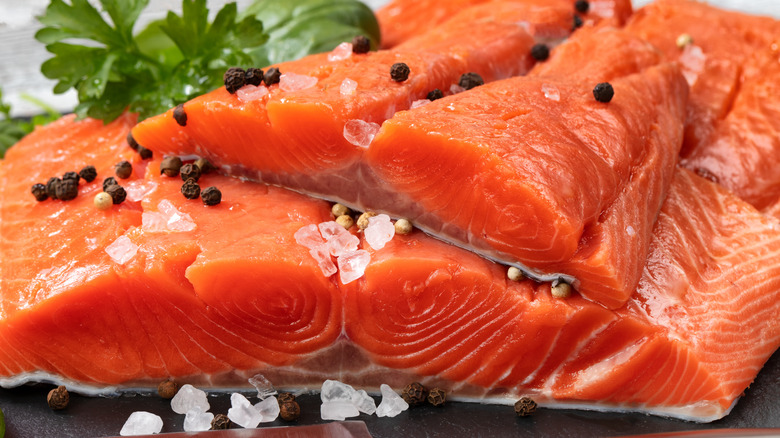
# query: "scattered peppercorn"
{"points": [[67, 190], [437, 397], [131, 141], [361, 44], [582, 6], [51, 187], [58, 398], [706, 174], [540, 52], [108, 182], [103, 201], [179, 115], [576, 22], [272, 76], [561, 290], [345, 221], [205, 166], [434, 94], [167, 389], [284, 397], [235, 78], [362, 221], [415, 394], [220, 422], [144, 153], [88, 173], [339, 210], [211, 196], [525, 407], [117, 193], [470, 80], [399, 72], [290, 410], [603, 92], [254, 76], [403, 226], [170, 166], [190, 189], [39, 191], [71, 175], [123, 169], [514, 274], [684, 40], [190, 171]]}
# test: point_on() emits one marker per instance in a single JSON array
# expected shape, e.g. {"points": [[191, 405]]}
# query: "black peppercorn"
{"points": [[39, 191], [414, 394], [131, 141], [434, 94], [576, 22], [88, 173], [437, 397], [470, 80], [360, 45], [67, 189], [51, 187], [290, 410], [220, 422], [179, 115], [167, 389], [234, 78], [540, 52], [582, 6], [123, 169], [190, 171], [204, 165], [170, 166], [272, 76], [190, 189], [284, 397], [58, 398], [108, 182], [117, 193], [211, 196], [254, 76], [144, 153], [399, 72], [71, 175], [603, 92], [525, 407]]}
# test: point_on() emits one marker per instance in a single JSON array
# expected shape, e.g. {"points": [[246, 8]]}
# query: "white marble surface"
{"points": [[21, 56]]}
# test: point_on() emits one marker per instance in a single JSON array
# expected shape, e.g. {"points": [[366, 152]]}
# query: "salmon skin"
{"points": [[214, 305], [731, 62], [402, 20]]}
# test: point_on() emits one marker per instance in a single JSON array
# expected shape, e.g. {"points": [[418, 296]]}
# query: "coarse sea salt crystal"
{"points": [[269, 409], [263, 386], [296, 82], [154, 222], [348, 87], [331, 229], [321, 255], [343, 244], [242, 412], [196, 421], [341, 52], [333, 390], [359, 132], [141, 423], [248, 93], [551, 92], [692, 60], [419, 103], [189, 398], [309, 236], [338, 410], [392, 404], [175, 219], [455, 89], [630, 231], [352, 265], [136, 190], [364, 402], [122, 250], [380, 230]]}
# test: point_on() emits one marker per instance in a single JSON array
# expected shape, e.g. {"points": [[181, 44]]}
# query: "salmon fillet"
{"points": [[215, 305], [732, 133]]}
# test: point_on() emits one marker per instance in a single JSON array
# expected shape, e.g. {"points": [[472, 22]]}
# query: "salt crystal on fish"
{"points": [[331, 229], [455, 89], [338, 410], [269, 409], [122, 250], [322, 255], [364, 402], [342, 244], [333, 390], [359, 132], [419, 103], [296, 82], [263, 386], [380, 230], [551, 92], [141, 423], [189, 398], [630, 231], [692, 60], [175, 219], [309, 236], [248, 93], [136, 190], [242, 412], [352, 265], [341, 52], [154, 222], [196, 421], [348, 87], [392, 404]]}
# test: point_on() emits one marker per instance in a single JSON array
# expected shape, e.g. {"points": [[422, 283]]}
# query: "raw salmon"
{"points": [[401, 20], [216, 304], [732, 62]]}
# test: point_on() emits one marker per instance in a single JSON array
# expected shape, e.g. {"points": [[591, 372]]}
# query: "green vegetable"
{"points": [[299, 28], [2, 424], [12, 130]]}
